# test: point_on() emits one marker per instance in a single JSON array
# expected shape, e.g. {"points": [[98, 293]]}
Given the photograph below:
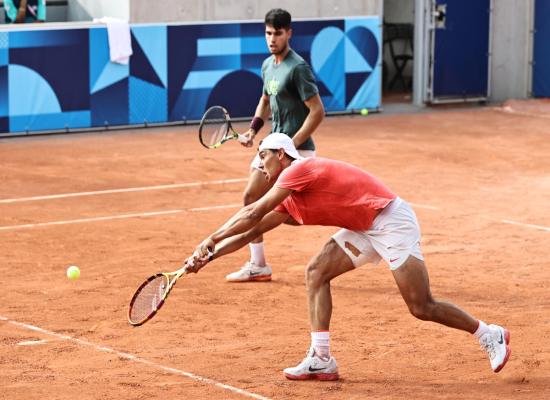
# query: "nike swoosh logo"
{"points": [[394, 259], [501, 340], [254, 273], [315, 369]]}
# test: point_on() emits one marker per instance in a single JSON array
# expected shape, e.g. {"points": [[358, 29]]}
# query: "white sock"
{"points": [[257, 255], [481, 329], [320, 341]]}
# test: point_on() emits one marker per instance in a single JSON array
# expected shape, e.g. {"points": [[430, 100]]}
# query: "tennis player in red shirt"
{"points": [[376, 224]]}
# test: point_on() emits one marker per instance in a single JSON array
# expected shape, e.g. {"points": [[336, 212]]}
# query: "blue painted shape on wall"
{"points": [[4, 57], [234, 86], [65, 68], [21, 82], [99, 54], [46, 38], [204, 79], [152, 42], [214, 62], [141, 66], [218, 46], [110, 105], [4, 92], [39, 122], [148, 102], [4, 124], [190, 105], [111, 74]]}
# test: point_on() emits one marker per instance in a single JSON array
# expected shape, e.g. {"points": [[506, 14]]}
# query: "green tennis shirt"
{"points": [[288, 84]]}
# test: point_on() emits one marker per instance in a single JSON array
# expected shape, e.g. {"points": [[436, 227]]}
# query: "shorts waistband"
{"points": [[389, 208]]}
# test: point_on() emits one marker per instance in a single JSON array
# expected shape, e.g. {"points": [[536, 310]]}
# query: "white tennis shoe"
{"points": [[313, 367], [495, 343], [250, 272]]}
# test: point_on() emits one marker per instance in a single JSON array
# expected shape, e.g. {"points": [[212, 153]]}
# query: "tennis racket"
{"points": [[152, 294], [215, 128]]}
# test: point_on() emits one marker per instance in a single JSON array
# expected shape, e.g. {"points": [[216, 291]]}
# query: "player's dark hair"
{"points": [[278, 18]]}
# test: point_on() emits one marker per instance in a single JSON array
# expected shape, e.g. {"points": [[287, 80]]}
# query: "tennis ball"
{"points": [[73, 272], [364, 111]]}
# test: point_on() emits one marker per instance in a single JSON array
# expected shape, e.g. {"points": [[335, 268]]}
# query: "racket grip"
{"points": [[242, 138], [191, 263]]}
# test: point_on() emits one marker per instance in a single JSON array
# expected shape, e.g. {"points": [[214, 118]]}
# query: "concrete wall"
{"points": [[399, 11], [87, 10], [219, 10], [511, 49]]}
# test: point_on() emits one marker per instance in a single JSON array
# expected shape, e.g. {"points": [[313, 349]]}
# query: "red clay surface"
{"points": [[471, 174]]}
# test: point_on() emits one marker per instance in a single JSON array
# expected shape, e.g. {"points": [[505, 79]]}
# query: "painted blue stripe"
{"points": [[204, 79], [218, 46], [69, 119], [216, 62], [253, 45]]}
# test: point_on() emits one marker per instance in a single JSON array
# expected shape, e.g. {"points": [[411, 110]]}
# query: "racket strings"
{"points": [[215, 126], [148, 299]]}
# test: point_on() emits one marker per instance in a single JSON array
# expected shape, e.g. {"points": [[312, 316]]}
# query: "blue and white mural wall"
{"points": [[63, 79]]}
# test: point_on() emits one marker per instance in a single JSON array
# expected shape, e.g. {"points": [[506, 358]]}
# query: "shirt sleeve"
{"points": [[304, 81], [297, 177]]}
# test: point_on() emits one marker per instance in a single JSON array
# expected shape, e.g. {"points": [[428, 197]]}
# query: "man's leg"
{"points": [[414, 285], [256, 269], [329, 263], [413, 282]]}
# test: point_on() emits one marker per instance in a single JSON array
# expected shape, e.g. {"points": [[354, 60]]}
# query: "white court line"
{"points": [[510, 110], [32, 342], [112, 217], [135, 189], [540, 227], [76, 221], [423, 206], [136, 359]]}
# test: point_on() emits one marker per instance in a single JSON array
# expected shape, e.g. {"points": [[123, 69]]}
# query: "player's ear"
{"points": [[289, 33], [280, 154]]}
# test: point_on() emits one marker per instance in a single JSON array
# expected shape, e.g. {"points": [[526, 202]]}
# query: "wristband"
{"points": [[256, 124]]}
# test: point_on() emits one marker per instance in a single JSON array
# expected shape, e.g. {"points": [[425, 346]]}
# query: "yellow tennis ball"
{"points": [[364, 111], [73, 272]]}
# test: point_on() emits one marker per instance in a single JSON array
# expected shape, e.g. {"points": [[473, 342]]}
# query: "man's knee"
{"points": [[422, 311], [249, 197]]}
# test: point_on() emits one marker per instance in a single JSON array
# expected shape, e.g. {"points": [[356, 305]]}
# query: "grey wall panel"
{"points": [[511, 41], [141, 11]]}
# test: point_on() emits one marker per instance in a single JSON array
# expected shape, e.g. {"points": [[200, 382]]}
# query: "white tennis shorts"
{"points": [[256, 162], [393, 236]]}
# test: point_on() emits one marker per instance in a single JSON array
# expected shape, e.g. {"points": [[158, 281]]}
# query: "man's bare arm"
{"points": [[312, 121]]}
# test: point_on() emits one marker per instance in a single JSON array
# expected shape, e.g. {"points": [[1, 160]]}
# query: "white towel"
{"points": [[120, 42]]}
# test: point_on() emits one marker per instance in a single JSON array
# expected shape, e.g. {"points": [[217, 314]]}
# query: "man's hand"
{"points": [[249, 134], [201, 255], [195, 264]]}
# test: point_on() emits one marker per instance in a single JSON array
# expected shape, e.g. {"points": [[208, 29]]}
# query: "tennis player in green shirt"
{"points": [[291, 96]]}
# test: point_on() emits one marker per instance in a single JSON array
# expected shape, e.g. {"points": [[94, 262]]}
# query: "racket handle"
{"points": [[242, 138], [191, 263]]}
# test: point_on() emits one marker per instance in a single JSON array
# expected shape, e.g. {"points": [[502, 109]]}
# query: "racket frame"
{"points": [[232, 133], [174, 275]]}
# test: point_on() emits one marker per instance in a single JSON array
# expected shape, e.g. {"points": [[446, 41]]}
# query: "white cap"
{"points": [[276, 141]]}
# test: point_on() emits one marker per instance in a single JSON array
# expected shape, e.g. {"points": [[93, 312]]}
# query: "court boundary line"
{"points": [[114, 217], [126, 190], [137, 359], [220, 207]]}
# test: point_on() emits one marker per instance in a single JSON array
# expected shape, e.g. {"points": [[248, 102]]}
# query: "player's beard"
{"points": [[280, 51]]}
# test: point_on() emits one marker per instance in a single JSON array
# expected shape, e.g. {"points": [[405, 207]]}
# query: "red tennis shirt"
{"points": [[332, 193]]}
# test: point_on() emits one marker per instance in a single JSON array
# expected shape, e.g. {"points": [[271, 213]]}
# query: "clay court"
{"points": [[123, 205]]}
